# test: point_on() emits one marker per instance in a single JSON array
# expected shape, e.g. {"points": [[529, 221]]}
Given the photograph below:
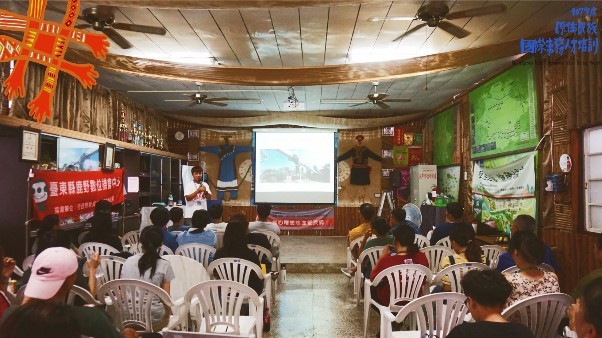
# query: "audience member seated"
{"points": [[159, 218], [148, 266], [524, 223], [595, 274], [102, 232], [49, 223], [381, 229], [398, 218], [453, 218], [235, 246], [8, 266], [403, 251], [366, 211], [466, 250], [216, 225], [176, 216], [198, 233], [487, 292], [39, 318], [254, 238], [585, 316], [60, 238], [528, 251], [55, 271], [261, 223]]}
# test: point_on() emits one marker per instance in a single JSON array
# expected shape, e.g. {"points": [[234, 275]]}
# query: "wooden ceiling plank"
{"points": [[259, 26], [340, 31], [329, 92], [182, 32], [143, 16], [366, 32], [553, 9], [314, 24], [206, 29], [224, 4], [312, 97], [288, 34], [233, 28], [516, 13], [392, 29]]}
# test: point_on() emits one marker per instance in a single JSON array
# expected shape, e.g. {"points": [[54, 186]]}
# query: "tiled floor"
{"points": [[313, 249], [318, 305]]}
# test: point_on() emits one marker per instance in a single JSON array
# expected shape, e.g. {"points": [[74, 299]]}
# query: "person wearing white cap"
{"points": [[52, 276]]}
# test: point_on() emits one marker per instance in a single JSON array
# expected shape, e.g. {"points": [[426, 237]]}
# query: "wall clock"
{"points": [[179, 136], [344, 171], [242, 170]]}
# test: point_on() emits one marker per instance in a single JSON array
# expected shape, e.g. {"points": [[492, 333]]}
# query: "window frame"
{"points": [[587, 179]]}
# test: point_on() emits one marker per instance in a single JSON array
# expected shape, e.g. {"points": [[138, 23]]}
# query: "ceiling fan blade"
{"points": [[83, 26], [498, 8], [454, 30], [359, 104], [216, 103], [378, 96], [398, 100], [409, 32], [176, 100], [392, 18], [218, 99], [382, 105], [139, 28], [118, 38], [341, 101]]}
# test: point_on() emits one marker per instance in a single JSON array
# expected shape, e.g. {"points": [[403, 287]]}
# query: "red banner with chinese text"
{"points": [[398, 136], [314, 219], [73, 193]]}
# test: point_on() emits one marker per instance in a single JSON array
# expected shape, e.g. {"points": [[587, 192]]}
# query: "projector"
{"points": [[294, 105]]}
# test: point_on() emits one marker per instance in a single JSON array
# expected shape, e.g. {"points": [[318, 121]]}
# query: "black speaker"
{"points": [[395, 179]]}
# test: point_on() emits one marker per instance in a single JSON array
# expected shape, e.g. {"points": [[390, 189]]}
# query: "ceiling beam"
{"points": [[300, 76], [221, 4]]}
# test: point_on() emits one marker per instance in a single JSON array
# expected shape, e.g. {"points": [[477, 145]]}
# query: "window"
{"points": [[592, 140]]}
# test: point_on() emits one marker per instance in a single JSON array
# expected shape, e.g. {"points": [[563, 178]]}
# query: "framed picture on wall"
{"points": [[108, 157], [31, 141], [193, 133], [387, 153], [193, 157], [388, 131]]}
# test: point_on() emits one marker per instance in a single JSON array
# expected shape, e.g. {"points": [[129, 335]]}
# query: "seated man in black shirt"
{"points": [[487, 292], [453, 218]]}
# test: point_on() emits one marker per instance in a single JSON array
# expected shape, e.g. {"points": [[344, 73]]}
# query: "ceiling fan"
{"points": [[436, 14], [200, 98], [102, 19], [373, 97]]}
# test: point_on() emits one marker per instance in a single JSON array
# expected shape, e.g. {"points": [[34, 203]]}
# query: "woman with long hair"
{"points": [[466, 250], [235, 246], [102, 232], [403, 251], [49, 223], [148, 266], [41, 319], [528, 251]]}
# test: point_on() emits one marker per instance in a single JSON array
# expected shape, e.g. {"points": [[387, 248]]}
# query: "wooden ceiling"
{"points": [[320, 47]]}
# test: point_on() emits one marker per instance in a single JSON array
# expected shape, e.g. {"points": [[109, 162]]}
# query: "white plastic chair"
{"points": [[79, 292], [28, 261], [355, 242], [200, 252], [372, 255], [165, 250], [111, 267], [431, 316], [434, 254], [219, 236], [129, 300], [405, 283], [422, 241], [541, 314], [275, 243], [445, 241], [188, 273], [130, 241], [88, 248], [262, 253], [542, 267], [492, 252], [429, 235], [456, 272], [239, 270], [167, 333], [219, 303]]}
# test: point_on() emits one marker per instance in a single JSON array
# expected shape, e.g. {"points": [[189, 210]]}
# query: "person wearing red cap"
{"points": [[360, 170], [52, 276]]}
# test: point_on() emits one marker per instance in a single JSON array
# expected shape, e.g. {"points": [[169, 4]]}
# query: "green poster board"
{"points": [[503, 113], [444, 137]]}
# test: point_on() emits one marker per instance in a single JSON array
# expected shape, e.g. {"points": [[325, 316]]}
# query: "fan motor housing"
{"points": [[433, 13]]}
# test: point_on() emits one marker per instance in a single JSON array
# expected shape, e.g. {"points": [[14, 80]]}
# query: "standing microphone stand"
{"points": [[27, 220]]}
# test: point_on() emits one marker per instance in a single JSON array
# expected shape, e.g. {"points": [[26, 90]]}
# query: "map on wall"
{"points": [[444, 137], [503, 113]]}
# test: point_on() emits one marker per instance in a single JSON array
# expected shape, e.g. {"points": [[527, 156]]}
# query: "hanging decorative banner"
{"points": [[515, 179], [72, 193], [418, 138], [292, 219], [408, 138], [414, 155], [400, 156], [398, 137]]}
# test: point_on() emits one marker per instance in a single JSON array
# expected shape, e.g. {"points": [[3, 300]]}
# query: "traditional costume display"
{"points": [[226, 180], [360, 170]]}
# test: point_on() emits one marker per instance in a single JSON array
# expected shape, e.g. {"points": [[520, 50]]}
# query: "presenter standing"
{"points": [[196, 193]]}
